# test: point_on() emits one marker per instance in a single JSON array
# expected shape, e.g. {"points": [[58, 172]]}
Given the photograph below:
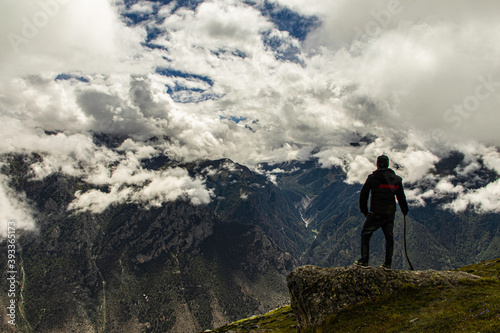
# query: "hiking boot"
{"points": [[361, 264], [386, 267]]}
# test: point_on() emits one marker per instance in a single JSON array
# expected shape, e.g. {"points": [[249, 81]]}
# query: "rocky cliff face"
{"points": [[318, 293], [174, 268]]}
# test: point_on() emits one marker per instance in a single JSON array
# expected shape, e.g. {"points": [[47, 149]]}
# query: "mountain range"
{"points": [[180, 267]]}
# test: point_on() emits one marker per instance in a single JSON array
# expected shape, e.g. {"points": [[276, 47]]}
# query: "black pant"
{"points": [[372, 223]]}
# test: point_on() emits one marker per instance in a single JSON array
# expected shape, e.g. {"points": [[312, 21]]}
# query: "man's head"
{"points": [[382, 162]]}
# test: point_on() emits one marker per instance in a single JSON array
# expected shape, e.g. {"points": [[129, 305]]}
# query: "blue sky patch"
{"points": [[64, 76], [234, 118], [169, 72], [286, 19], [189, 4], [224, 52], [283, 49], [181, 93]]}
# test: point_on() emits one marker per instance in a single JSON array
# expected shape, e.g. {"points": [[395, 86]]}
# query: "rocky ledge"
{"points": [[317, 293]]}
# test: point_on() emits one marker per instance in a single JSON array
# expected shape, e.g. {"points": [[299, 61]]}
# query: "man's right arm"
{"points": [[363, 198], [400, 195]]}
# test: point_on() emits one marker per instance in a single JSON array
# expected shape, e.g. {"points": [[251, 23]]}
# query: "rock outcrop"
{"points": [[317, 293]]}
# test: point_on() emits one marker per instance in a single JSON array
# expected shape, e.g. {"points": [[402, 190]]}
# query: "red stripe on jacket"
{"points": [[392, 187]]}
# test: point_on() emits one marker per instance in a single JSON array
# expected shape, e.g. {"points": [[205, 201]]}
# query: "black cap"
{"points": [[382, 161]]}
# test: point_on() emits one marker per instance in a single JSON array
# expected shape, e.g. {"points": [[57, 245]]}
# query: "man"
{"points": [[383, 184]]}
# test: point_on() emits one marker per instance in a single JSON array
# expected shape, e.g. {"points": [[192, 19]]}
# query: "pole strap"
{"points": [[406, 252]]}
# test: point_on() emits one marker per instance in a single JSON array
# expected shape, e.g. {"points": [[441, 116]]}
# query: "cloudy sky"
{"points": [[254, 81]]}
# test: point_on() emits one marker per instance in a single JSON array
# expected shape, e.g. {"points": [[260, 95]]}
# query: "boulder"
{"points": [[317, 293]]}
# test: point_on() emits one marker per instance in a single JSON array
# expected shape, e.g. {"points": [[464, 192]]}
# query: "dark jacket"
{"points": [[384, 184]]}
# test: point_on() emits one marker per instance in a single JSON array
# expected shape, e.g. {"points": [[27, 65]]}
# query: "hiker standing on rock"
{"points": [[383, 184]]}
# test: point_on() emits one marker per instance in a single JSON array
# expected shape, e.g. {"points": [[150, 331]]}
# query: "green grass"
{"points": [[473, 306], [278, 320], [489, 268], [470, 306]]}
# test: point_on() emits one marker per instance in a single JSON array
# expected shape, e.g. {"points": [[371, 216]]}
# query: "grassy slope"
{"points": [[277, 320], [471, 306]]}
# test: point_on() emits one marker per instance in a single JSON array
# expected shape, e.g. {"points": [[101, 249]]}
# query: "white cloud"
{"points": [[19, 138], [426, 59], [418, 198], [214, 27], [445, 186], [359, 169], [485, 199], [415, 164], [142, 7], [424, 79], [62, 35], [151, 189], [76, 155], [14, 211]]}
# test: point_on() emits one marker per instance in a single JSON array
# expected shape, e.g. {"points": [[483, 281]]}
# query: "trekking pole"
{"points": [[406, 252]]}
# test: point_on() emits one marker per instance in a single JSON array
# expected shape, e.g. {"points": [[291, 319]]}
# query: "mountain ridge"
{"points": [[134, 267]]}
